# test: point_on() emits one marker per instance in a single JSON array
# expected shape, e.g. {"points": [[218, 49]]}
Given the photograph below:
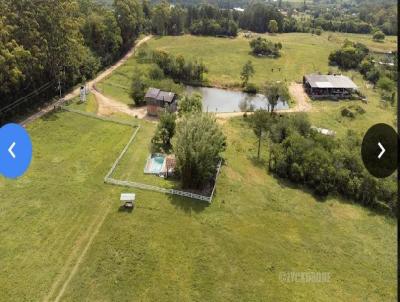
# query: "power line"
{"points": [[27, 97]]}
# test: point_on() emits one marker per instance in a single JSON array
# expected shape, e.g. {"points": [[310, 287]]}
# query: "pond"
{"points": [[222, 100]]}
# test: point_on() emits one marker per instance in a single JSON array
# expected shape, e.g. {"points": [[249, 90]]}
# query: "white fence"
{"points": [[124, 183], [92, 115]]}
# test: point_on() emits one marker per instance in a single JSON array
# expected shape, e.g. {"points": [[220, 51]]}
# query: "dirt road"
{"points": [[108, 106], [90, 84]]}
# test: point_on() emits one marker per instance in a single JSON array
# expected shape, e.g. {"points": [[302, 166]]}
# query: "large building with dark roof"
{"points": [[329, 86], [158, 100]]}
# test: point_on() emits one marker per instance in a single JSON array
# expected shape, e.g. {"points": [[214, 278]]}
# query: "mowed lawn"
{"points": [[301, 54], [46, 216], [236, 249], [224, 58]]}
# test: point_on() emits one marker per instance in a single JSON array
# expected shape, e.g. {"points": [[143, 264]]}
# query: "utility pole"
{"points": [[59, 87]]}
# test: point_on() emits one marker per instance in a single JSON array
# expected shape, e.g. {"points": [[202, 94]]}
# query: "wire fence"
{"points": [[103, 118], [125, 183]]}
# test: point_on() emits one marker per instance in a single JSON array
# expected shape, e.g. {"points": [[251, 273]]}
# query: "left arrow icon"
{"points": [[10, 150]]}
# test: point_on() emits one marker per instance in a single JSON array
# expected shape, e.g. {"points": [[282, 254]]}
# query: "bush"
{"points": [[264, 47], [156, 73], [138, 88], [251, 88], [378, 36], [385, 84], [349, 56], [326, 164]]}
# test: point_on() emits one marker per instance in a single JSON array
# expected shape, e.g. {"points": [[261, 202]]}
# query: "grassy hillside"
{"points": [[60, 218], [302, 54], [47, 215], [173, 249]]}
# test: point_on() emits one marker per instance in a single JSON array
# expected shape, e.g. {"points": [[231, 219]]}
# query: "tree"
{"points": [[385, 84], [378, 36], [275, 91], [349, 56], [247, 73], [102, 35], [190, 104], [260, 122], [138, 88], [273, 26], [263, 47], [129, 17], [198, 144], [160, 18], [161, 140]]}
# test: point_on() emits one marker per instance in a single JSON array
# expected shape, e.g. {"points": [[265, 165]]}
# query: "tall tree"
{"points": [[129, 15], [247, 73], [276, 91], [260, 122], [273, 26], [198, 144], [164, 132]]}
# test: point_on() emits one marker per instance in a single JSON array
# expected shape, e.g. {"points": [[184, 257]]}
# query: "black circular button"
{"points": [[379, 150]]}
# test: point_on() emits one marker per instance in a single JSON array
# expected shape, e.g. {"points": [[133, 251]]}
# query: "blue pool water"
{"points": [[156, 163]]}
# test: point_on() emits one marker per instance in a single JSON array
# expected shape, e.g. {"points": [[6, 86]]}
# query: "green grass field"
{"points": [[301, 54], [46, 214], [176, 249]]}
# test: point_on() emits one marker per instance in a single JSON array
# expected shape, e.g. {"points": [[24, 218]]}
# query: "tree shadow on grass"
{"points": [[377, 210], [258, 162], [286, 183], [51, 116], [188, 205]]}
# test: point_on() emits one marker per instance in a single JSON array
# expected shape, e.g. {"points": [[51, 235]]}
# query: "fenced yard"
{"points": [[127, 170]]}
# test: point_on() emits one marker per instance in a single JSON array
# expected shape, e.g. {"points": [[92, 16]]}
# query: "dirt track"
{"points": [[90, 84]]}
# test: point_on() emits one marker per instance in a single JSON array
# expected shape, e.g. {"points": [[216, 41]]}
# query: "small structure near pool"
{"points": [[160, 164], [335, 86], [158, 101]]}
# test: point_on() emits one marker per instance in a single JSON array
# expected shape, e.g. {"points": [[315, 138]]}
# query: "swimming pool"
{"points": [[154, 164]]}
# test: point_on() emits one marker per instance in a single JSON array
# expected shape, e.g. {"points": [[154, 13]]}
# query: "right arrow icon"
{"points": [[382, 150]]}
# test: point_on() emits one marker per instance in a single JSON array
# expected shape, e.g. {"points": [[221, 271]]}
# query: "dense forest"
{"points": [[46, 47], [49, 46]]}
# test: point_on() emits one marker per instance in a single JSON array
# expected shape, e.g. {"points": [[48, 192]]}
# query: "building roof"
{"points": [[160, 95], [166, 96], [330, 81], [152, 93]]}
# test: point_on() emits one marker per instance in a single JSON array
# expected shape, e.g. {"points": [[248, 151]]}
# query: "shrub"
{"points": [[156, 73], [378, 36], [264, 47], [251, 88]]}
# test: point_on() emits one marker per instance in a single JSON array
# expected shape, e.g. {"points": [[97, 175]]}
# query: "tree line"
{"points": [[324, 164], [357, 56], [48, 46]]}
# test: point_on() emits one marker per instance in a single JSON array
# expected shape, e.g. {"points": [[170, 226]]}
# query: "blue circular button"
{"points": [[15, 150]]}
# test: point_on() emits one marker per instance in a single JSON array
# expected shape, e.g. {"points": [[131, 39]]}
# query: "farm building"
{"points": [[158, 100], [329, 86]]}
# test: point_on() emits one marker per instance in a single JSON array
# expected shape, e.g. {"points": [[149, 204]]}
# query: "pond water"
{"points": [[222, 100]]}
